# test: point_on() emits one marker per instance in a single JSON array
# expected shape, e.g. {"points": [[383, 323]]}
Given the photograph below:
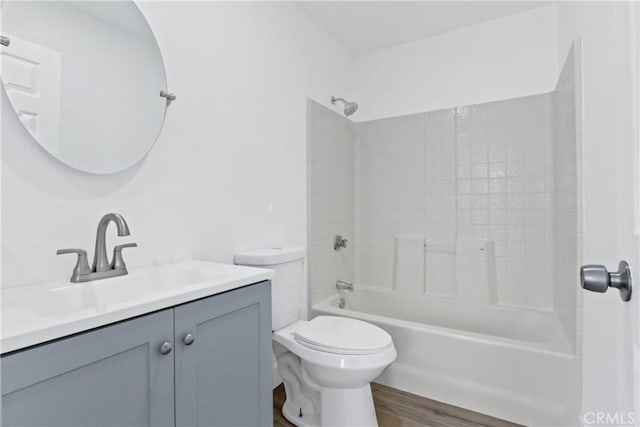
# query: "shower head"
{"points": [[349, 107]]}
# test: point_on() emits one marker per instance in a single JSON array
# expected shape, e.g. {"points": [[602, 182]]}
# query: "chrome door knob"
{"points": [[596, 278], [189, 339], [166, 348]]}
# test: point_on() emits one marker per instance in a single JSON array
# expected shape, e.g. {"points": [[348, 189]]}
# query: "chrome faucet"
{"points": [[344, 286], [101, 268], [339, 242], [100, 260]]}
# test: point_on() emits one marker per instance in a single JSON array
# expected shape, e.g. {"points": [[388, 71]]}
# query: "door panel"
{"points": [[224, 377], [113, 376], [611, 195], [31, 74]]}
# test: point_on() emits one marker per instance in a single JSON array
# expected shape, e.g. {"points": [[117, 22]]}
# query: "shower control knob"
{"points": [[596, 278], [339, 242]]}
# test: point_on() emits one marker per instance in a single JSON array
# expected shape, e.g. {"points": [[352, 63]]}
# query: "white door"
{"points": [[611, 210], [31, 77]]}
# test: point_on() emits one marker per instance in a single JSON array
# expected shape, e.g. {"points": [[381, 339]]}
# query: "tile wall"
{"points": [[476, 183], [504, 192], [442, 216], [390, 210], [567, 200], [331, 204]]}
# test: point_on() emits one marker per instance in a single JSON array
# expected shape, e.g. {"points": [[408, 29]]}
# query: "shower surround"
{"points": [[474, 208], [457, 203]]}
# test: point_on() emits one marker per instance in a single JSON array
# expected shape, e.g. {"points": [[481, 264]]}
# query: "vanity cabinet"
{"points": [[113, 376], [121, 375], [223, 375]]}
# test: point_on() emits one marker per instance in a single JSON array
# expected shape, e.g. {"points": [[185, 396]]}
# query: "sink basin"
{"points": [[36, 313], [135, 286]]}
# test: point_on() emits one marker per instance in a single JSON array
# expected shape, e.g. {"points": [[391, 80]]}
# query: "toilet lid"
{"points": [[342, 335]]}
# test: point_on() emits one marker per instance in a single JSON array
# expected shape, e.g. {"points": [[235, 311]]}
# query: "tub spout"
{"points": [[340, 285]]}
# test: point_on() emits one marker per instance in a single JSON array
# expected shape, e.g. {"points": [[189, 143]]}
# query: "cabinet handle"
{"points": [[189, 339], [166, 348]]}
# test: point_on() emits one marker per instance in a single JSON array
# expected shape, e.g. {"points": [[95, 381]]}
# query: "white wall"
{"points": [[228, 171], [505, 58], [610, 116]]}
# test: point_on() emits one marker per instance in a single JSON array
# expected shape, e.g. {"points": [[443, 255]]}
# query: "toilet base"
{"points": [[292, 414], [329, 389], [339, 407]]}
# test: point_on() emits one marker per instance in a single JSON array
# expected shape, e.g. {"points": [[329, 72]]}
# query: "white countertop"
{"points": [[34, 314]]}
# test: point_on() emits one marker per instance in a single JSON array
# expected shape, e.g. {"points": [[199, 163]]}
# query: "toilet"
{"points": [[327, 363]]}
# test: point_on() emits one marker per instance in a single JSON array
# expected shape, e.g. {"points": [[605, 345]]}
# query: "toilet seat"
{"points": [[342, 361], [342, 335]]}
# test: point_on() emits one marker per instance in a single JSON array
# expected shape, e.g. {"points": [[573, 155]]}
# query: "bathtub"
{"points": [[513, 364]]}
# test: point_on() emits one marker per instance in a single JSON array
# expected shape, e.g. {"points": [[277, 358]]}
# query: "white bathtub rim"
{"points": [[325, 306]]}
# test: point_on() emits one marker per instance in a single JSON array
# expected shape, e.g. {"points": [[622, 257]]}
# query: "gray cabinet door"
{"points": [[224, 377], [112, 376]]}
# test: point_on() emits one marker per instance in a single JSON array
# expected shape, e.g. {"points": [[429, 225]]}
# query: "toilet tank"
{"points": [[287, 292]]}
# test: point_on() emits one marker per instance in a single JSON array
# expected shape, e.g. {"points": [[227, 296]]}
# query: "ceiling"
{"points": [[363, 27]]}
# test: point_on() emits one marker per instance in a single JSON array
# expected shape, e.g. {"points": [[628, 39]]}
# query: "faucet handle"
{"points": [[118, 261], [82, 266], [339, 242]]}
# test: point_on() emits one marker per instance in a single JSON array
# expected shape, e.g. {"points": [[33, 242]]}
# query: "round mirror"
{"points": [[85, 78]]}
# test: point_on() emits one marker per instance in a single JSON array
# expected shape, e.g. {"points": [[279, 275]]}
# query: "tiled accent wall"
{"points": [[567, 199], [477, 183], [331, 204]]}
